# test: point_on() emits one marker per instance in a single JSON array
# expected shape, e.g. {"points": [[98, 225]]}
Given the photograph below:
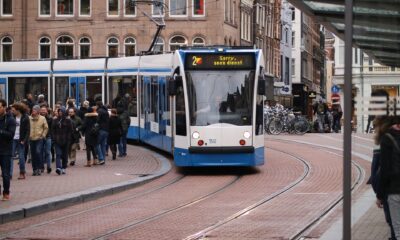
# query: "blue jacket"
{"points": [[7, 131]]}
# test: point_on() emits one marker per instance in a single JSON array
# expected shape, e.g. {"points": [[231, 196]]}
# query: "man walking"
{"points": [[7, 131], [39, 129], [103, 120]]}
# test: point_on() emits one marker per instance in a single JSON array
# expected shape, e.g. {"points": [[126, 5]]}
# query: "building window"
{"points": [[113, 8], [44, 7], [178, 7], [112, 47], [293, 14], [65, 7], [293, 66], [293, 39], [6, 49], [6, 7], [177, 42], [198, 8], [84, 7], [157, 8], [84, 47], [130, 46], [159, 45], [199, 42], [130, 9], [44, 48], [65, 47], [227, 4]]}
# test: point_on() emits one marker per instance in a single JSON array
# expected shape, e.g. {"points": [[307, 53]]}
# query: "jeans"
{"points": [[101, 147], [122, 145], [61, 156], [47, 152], [394, 207], [20, 148], [36, 152], [5, 171]]}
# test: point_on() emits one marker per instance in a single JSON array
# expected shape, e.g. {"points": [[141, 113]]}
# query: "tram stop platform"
{"points": [[38, 194]]}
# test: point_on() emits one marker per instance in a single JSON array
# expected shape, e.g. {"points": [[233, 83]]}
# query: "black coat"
{"points": [[388, 183], [103, 119], [7, 131], [114, 134], [61, 131], [88, 122], [24, 129]]}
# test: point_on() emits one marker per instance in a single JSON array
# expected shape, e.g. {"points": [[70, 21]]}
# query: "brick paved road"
{"points": [[276, 219]]}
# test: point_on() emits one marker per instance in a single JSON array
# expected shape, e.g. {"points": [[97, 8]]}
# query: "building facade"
{"points": [[368, 76], [308, 62], [284, 89], [42, 29], [47, 29]]}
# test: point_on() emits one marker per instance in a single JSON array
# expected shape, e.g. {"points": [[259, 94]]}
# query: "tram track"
{"points": [[98, 207], [201, 234], [299, 235], [166, 212]]}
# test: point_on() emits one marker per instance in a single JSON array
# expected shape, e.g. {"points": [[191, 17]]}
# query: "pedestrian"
{"points": [[115, 132], [91, 134], [7, 131], [83, 109], [319, 109], [76, 136], [41, 101], [61, 132], [123, 115], [103, 121], [47, 142], [38, 133], [337, 114], [29, 101], [21, 136], [388, 190]]}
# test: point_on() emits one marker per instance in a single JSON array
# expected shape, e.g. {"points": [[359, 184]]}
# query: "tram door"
{"points": [[164, 114], [77, 90], [3, 88], [145, 108]]}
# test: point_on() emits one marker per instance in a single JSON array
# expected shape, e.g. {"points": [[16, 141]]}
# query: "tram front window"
{"points": [[220, 97]]}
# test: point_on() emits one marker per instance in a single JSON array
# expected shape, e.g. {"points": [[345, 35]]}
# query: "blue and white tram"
{"points": [[202, 105], [218, 107]]}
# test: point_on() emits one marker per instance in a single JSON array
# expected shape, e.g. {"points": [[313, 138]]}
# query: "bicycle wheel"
{"points": [[300, 126], [275, 126]]}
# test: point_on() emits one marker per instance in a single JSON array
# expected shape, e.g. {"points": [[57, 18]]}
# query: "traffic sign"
{"points": [[335, 89]]}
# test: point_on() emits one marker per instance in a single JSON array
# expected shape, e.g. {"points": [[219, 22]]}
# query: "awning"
{"points": [[376, 26]]}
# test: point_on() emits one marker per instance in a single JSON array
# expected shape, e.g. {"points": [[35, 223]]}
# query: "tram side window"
{"points": [[18, 88], [93, 89], [61, 89], [154, 99], [180, 115], [123, 93]]}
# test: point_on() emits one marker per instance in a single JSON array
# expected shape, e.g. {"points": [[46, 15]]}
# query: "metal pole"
{"points": [[348, 61]]}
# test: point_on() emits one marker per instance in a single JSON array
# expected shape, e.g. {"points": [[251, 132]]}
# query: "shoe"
{"points": [[42, 170], [6, 197], [114, 156], [38, 172], [102, 162], [58, 171], [88, 163], [21, 176], [95, 161], [63, 171], [72, 163], [48, 170], [34, 173]]}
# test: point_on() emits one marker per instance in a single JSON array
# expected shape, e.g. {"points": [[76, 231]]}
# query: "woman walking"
{"points": [[21, 136], [91, 134]]}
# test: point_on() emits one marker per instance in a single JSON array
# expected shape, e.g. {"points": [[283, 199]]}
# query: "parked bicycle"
{"points": [[287, 121]]}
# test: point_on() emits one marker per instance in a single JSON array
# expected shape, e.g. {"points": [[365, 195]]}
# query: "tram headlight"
{"points": [[242, 142], [246, 135], [195, 135]]}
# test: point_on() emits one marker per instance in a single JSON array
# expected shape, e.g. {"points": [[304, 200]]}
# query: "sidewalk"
{"points": [[39, 194]]}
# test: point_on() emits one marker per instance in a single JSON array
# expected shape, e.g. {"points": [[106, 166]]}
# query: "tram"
{"points": [[203, 105]]}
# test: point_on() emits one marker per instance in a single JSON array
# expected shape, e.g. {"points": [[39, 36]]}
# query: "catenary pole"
{"points": [[348, 61]]}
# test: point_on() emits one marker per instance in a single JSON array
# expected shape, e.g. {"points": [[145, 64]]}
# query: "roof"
{"points": [[376, 25]]}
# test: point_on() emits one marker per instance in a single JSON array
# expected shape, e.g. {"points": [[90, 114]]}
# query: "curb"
{"points": [[66, 200]]}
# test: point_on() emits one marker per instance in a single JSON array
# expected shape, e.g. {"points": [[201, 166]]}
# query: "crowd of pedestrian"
{"points": [[32, 132]]}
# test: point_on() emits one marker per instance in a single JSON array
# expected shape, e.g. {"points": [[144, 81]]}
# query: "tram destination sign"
{"points": [[204, 61]]}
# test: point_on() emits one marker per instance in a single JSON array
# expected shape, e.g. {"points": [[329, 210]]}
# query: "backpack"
{"points": [[395, 166]]}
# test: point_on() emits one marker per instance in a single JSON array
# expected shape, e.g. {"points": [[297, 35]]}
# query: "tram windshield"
{"points": [[220, 97]]}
